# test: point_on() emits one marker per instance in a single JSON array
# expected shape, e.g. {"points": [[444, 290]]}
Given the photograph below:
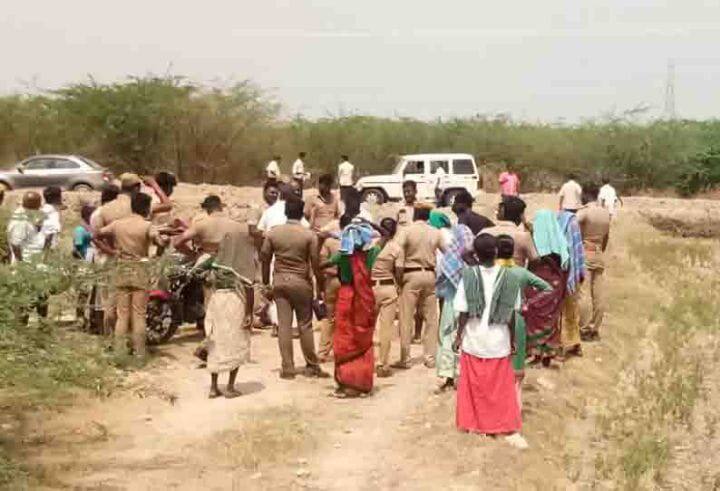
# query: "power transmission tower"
{"points": [[670, 91]]}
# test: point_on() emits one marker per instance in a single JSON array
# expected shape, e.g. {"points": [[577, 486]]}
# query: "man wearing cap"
{"points": [[295, 251], [119, 207], [415, 265], [111, 211], [133, 236]]}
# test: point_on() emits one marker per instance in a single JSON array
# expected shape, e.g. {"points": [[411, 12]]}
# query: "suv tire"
{"points": [[82, 187], [373, 195]]}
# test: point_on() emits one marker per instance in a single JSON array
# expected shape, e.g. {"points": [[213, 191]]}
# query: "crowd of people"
{"points": [[484, 297]]}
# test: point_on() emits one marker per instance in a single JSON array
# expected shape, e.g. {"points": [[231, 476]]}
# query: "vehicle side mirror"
{"points": [[20, 169]]}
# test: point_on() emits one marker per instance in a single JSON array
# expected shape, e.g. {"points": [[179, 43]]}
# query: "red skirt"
{"points": [[487, 400], [354, 327]]}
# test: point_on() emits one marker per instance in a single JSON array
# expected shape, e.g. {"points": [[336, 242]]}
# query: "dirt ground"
{"points": [[161, 432]]}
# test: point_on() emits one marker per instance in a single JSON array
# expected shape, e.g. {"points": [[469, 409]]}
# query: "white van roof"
{"points": [[430, 156]]}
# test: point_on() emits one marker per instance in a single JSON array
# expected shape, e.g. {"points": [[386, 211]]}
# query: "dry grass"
{"points": [[270, 437], [657, 394]]}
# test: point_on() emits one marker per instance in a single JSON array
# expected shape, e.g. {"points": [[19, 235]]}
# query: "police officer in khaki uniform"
{"points": [[331, 286], [594, 221], [295, 249], [208, 231], [385, 288], [113, 210], [418, 243], [133, 236], [407, 208]]}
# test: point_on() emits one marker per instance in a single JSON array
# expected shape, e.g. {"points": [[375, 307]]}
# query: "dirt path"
{"points": [[162, 432]]}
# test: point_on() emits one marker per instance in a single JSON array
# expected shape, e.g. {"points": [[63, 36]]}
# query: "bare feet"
{"points": [[232, 393]]}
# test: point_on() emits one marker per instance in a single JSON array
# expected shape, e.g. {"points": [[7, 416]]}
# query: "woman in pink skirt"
{"points": [[487, 402]]}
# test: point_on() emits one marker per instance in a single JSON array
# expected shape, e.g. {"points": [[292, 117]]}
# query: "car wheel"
{"points": [[449, 197], [82, 187], [4, 186], [373, 196]]}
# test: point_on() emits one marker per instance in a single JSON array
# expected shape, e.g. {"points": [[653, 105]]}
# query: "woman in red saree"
{"points": [[354, 312]]}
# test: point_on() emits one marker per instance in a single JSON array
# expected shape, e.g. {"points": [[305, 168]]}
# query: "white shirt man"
{"points": [[608, 198], [51, 225], [298, 169], [345, 173], [570, 196], [272, 171], [275, 215], [24, 233]]}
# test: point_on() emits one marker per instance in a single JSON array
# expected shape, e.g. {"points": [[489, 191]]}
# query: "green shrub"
{"points": [[226, 135]]}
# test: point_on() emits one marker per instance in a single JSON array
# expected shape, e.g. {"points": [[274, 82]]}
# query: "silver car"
{"points": [[66, 171]]}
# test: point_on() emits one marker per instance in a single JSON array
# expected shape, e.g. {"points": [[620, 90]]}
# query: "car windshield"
{"points": [[399, 166], [91, 163]]}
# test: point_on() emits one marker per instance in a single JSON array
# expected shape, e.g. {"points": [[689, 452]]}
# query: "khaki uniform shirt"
{"points": [[294, 247], [571, 194], [594, 222], [320, 212], [114, 210], [418, 243], [210, 230], [133, 236], [384, 267], [524, 246], [405, 215]]}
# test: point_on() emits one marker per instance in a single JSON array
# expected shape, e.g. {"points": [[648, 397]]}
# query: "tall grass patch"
{"points": [[43, 362], [657, 394]]}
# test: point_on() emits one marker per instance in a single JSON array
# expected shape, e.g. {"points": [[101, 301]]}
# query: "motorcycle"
{"points": [[178, 300]]}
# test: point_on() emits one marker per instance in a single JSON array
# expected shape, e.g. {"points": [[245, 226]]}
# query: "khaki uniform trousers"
{"points": [[327, 325], [418, 294], [570, 332], [108, 301], [386, 304], [294, 295], [131, 312], [592, 301]]}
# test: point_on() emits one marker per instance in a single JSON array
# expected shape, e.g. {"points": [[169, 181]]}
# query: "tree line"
{"points": [[226, 135]]}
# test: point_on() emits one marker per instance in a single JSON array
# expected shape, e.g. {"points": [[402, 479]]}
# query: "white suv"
{"points": [[461, 173]]}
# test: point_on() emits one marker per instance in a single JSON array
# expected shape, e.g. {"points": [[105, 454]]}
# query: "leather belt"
{"points": [[413, 270], [387, 281]]}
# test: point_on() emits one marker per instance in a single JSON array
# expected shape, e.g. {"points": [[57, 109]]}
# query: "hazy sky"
{"points": [[549, 59]]}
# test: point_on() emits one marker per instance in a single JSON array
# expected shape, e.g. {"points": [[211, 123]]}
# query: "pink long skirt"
{"points": [[487, 400]]}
